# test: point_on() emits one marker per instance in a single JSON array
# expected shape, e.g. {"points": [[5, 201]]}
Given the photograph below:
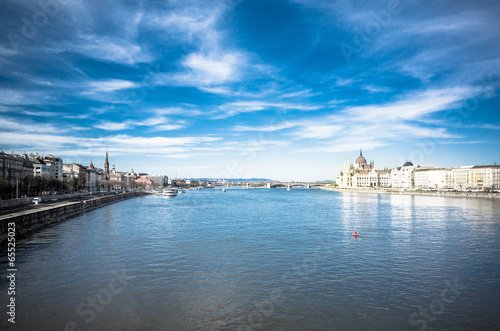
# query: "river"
{"points": [[262, 259]]}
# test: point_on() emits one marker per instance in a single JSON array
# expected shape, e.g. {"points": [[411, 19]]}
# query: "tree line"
{"points": [[34, 186]]}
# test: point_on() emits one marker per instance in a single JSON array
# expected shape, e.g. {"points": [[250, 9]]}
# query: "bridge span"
{"points": [[277, 184]]}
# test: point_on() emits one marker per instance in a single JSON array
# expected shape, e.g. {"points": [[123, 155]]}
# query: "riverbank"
{"points": [[31, 220], [451, 194]]}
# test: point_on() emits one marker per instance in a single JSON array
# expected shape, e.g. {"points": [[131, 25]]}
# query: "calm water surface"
{"points": [[265, 260]]}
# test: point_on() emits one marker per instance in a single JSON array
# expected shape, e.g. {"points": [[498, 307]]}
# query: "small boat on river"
{"points": [[169, 192]]}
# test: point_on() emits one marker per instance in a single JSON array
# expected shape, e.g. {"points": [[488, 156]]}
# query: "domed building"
{"points": [[362, 174], [361, 162]]}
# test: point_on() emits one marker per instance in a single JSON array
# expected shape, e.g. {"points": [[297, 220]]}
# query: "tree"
{"points": [[5, 188], [81, 183]]}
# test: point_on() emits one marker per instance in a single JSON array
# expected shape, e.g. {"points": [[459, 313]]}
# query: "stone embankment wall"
{"points": [[450, 194], [27, 221]]}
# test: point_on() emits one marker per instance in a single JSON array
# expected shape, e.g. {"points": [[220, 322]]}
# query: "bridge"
{"points": [[277, 184]]}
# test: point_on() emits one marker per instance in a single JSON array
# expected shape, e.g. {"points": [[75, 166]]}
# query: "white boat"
{"points": [[289, 188], [223, 190], [170, 192], [181, 191]]}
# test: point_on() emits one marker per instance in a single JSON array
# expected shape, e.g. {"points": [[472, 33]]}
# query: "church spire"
{"points": [[106, 166]]}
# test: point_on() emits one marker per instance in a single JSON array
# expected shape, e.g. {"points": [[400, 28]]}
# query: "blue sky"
{"points": [[279, 89]]}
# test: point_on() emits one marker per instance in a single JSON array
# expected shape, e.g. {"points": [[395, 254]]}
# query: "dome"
{"points": [[408, 164], [360, 160]]}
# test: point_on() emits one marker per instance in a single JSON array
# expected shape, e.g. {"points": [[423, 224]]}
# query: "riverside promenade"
{"points": [[450, 194], [35, 218]]}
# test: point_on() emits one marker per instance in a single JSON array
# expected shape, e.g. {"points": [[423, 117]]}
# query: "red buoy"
{"points": [[355, 234]]}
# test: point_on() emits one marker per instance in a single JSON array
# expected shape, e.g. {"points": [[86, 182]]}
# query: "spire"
{"points": [[360, 152], [106, 166]]}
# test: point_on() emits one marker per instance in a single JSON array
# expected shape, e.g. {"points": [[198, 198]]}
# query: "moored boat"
{"points": [[169, 192]]}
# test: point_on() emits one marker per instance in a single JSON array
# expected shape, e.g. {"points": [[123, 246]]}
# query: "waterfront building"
{"points": [[11, 167], [158, 180], [74, 170], [40, 168], [384, 178], [148, 183], [101, 177], [130, 178], [91, 177], [27, 166], [177, 182], [404, 177], [435, 178], [116, 176], [55, 166], [487, 176], [362, 174], [461, 178]]}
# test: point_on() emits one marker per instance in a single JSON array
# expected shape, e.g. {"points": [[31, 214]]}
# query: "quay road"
{"points": [[60, 199]]}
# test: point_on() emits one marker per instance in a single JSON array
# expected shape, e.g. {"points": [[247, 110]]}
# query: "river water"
{"points": [[263, 259]]}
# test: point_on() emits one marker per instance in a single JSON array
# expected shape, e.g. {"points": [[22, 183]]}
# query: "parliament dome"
{"points": [[360, 160]]}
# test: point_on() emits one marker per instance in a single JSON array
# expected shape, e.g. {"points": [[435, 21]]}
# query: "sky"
{"points": [[286, 90]]}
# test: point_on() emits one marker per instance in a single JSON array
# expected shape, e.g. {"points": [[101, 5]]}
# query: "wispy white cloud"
{"points": [[168, 127], [319, 131], [234, 108], [266, 128], [376, 89], [379, 125], [42, 113], [410, 107], [215, 62], [300, 94], [81, 147], [189, 24], [207, 70], [158, 123], [179, 111], [25, 125], [111, 85], [110, 49], [112, 126]]}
